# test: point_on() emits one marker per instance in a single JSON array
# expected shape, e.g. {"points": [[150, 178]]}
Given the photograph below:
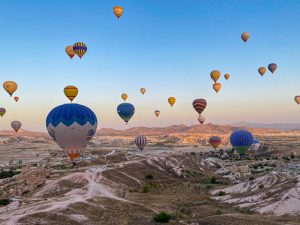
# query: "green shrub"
{"points": [[213, 180], [251, 178], [149, 177], [146, 189], [222, 193], [162, 217], [4, 202], [261, 186]]}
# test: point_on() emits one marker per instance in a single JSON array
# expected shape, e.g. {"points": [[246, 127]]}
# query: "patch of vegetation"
{"points": [[251, 178], [6, 174], [213, 180], [162, 217], [208, 186], [222, 193], [218, 212], [146, 189], [149, 177], [4, 202], [261, 186]]}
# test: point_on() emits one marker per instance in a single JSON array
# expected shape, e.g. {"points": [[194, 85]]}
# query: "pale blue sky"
{"points": [[166, 46]]}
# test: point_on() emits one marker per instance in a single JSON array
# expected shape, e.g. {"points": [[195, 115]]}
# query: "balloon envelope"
{"points": [[16, 98], [10, 87], [124, 96], [143, 90], [2, 111], [141, 142], [157, 113], [71, 126], [126, 111], [245, 36], [227, 76], [80, 49], [272, 67], [215, 141], [217, 87], [262, 70], [16, 125], [199, 105], [70, 51], [201, 119], [118, 11], [172, 101], [241, 141], [215, 75], [71, 92], [297, 99]]}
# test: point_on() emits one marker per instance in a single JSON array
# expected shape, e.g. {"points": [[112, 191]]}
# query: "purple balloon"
{"points": [[272, 67]]}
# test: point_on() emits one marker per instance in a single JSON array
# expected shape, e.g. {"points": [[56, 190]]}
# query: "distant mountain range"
{"points": [[206, 129], [278, 126]]}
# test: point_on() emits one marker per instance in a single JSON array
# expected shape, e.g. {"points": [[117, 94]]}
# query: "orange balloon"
{"points": [[227, 75], [262, 70], [118, 11], [70, 51], [245, 36], [217, 87]]}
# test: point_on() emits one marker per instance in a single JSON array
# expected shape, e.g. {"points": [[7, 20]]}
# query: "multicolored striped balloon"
{"points": [[199, 105], [141, 142], [80, 49], [215, 141]]}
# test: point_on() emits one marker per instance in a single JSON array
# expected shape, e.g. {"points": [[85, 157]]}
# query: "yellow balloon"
{"points": [[227, 76], [118, 11], [245, 36], [143, 90], [10, 87], [124, 96], [217, 87], [215, 75], [172, 101], [71, 92]]}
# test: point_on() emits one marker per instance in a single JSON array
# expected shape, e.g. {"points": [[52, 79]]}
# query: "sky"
{"points": [[167, 46]]}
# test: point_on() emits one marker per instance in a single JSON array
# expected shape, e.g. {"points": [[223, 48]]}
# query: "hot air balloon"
{"points": [[16, 98], [80, 49], [215, 75], [2, 111], [70, 51], [71, 92], [16, 125], [199, 105], [10, 87], [272, 67], [126, 111], [297, 99], [143, 90], [201, 119], [241, 141], [157, 112], [71, 126], [118, 11], [227, 76], [215, 141], [245, 36], [172, 101], [255, 144], [124, 96], [217, 87], [141, 142], [262, 70]]}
